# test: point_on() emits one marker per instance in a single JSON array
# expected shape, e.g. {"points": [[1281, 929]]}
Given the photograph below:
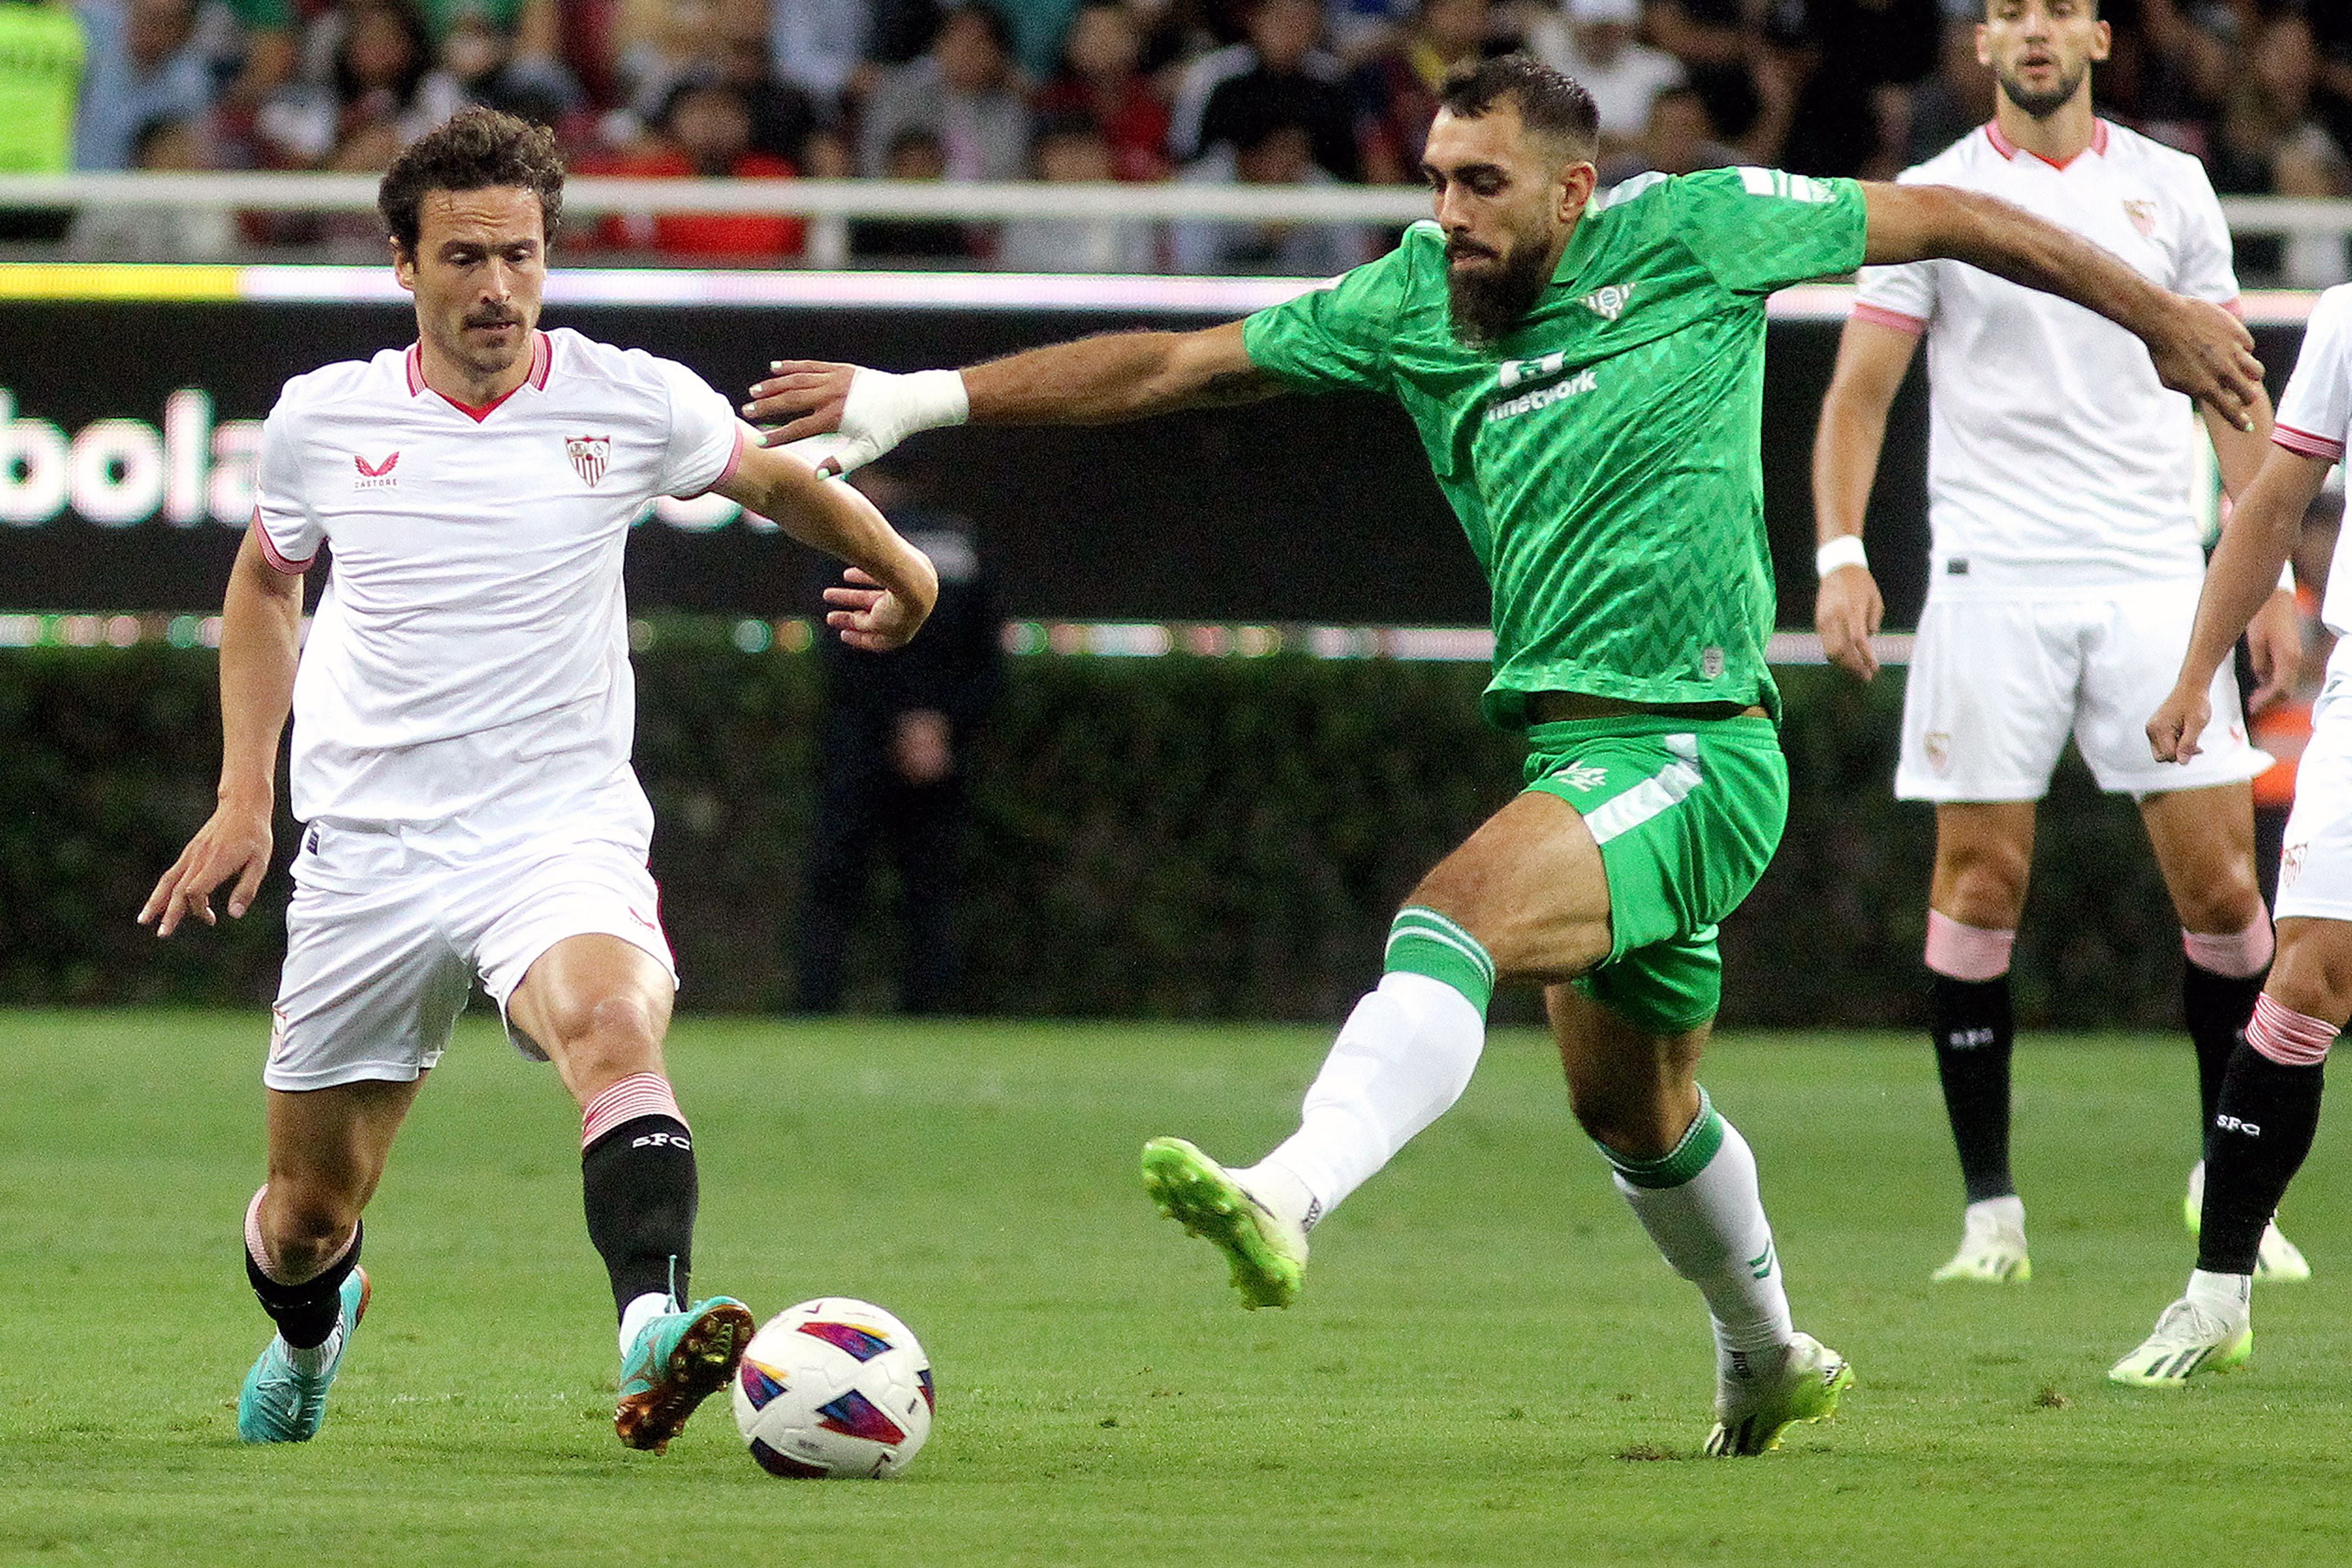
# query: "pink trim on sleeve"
{"points": [[2236, 308], [270, 551], [1880, 316], [2304, 443], [734, 460]]}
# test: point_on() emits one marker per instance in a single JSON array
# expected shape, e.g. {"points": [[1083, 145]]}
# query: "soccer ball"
{"points": [[834, 1387]]}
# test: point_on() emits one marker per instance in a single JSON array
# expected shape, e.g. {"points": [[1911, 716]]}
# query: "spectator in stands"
{"points": [[1959, 97], [489, 68], [914, 153], [1284, 39], [142, 64], [1100, 79], [1721, 54], [1071, 148], [1678, 140], [381, 92], [961, 92], [107, 232], [1285, 85], [1271, 149], [1595, 42], [787, 121], [705, 130], [2269, 141], [1858, 62], [1396, 88], [253, 44]]}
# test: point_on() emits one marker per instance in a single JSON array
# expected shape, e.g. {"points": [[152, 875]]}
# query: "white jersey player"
{"points": [[463, 712], [2270, 1098], [2067, 551]]}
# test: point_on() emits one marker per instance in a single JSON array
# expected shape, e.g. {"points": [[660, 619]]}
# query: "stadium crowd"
{"points": [[1259, 91]]}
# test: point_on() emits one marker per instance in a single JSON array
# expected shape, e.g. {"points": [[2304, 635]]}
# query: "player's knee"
{"points": [[1983, 885], [305, 1228], [2224, 903]]}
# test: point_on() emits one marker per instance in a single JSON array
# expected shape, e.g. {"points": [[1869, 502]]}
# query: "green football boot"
{"points": [[2278, 1261], [679, 1360], [1753, 1407], [2186, 1343], [1266, 1252], [281, 1403]]}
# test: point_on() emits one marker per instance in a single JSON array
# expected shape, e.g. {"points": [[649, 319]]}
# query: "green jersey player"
{"points": [[1586, 376]]}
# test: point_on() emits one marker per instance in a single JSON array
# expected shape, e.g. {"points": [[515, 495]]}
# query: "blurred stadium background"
{"points": [[1236, 721]]}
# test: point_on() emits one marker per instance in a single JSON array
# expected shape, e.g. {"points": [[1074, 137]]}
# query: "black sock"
{"points": [[305, 1314], [2216, 1007], [638, 1183], [1972, 1029], [2258, 1141]]}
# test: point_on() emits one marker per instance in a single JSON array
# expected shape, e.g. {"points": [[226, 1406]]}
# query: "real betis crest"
{"points": [[1610, 302]]}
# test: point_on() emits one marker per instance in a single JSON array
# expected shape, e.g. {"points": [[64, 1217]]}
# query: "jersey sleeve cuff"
{"points": [[2303, 443], [275, 556], [1880, 316]]}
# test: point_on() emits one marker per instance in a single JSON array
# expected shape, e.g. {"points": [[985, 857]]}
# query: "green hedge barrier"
{"points": [[1171, 838]]}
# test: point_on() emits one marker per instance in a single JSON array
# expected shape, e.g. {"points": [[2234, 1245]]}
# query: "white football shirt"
{"points": [[2056, 459], [2314, 420], [469, 658]]}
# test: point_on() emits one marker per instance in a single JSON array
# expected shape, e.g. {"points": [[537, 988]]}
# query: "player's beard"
{"points": [[2042, 105], [1486, 305]]}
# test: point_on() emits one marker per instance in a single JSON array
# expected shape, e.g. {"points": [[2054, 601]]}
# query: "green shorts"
{"points": [[1688, 813]]}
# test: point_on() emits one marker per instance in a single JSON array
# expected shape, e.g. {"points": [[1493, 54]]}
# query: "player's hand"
{"points": [[1846, 612], [2274, 643], [861, 414], [2202, 350], [802, 398], [871, 617], [234, 844], [2172, 734]]}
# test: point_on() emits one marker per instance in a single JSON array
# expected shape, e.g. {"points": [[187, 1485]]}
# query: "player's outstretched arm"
{"points": [[891, 584], [1847, 610], [861, 413], [2239, 580], [2198, 347], [260, 645]]}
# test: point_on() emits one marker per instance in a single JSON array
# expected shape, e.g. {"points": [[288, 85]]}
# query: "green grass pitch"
{"points": [[1489, 1365]]}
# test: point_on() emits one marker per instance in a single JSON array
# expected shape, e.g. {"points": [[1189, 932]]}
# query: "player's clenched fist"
{"points": [[235, 842], [2172, 733]]}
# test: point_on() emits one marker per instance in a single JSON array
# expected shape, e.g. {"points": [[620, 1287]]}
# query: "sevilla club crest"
{"points": [[2143, 218], [589, 455]]}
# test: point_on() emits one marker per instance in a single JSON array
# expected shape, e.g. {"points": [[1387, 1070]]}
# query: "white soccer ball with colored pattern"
{"points": [[834, 1387]]}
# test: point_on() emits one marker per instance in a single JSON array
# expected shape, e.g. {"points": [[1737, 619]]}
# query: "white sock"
{"points": [[314, 1360], [638, 1314], [1712, 1229], [2227, 1297], [1277, 1187], [1403, 1057], [2005, 1213]]}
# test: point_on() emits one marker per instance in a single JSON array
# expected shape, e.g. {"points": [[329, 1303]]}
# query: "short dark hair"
{"points": [[474, 149], [1547, 100]]}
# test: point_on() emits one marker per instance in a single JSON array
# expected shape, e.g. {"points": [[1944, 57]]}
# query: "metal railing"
{"points": [[830, 205]]}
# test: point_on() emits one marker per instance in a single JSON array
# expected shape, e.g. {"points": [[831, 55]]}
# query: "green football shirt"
{"points": [[1605, 458]]}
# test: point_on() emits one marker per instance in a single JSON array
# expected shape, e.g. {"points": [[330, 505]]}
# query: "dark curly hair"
{"points": [[474, 149], [1547, 100]]}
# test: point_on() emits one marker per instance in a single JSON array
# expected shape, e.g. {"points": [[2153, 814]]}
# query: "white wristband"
{"points": [[882, 410], [1842, 551]]}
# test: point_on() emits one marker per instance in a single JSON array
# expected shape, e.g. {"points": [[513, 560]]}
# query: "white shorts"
{"points": [[2315, 857], [1998, 682], [389, 928]]}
